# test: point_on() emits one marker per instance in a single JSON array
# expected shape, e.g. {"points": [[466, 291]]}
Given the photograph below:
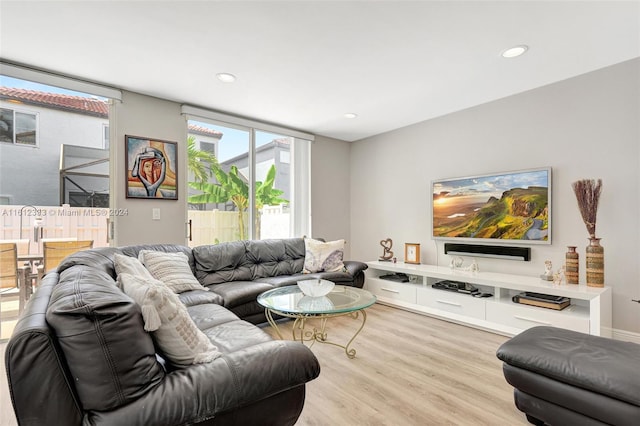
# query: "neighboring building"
{"points": [[54, 148], [206, 139], [278, 153], [33, 127]]}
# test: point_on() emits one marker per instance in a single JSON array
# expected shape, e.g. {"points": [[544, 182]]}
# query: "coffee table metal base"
{"points": [[303, 334]]}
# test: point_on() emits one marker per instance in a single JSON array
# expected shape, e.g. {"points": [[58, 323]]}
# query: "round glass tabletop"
{"points": [[341, 299]]}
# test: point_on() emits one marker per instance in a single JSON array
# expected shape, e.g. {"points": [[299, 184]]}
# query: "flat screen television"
{"points": [[499, 207]]}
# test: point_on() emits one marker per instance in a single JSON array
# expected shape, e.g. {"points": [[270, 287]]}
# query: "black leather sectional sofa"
{"points": [[108, 372]]}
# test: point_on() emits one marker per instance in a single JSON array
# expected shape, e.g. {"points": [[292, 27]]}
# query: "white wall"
{"points": [[584, 127], [330, 191], [139, 115]]}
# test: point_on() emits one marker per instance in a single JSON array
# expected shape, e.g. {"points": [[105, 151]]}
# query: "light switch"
{"points": [[156, 214]]}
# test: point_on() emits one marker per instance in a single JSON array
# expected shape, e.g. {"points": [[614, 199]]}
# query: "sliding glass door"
{"points": [[242, 184]]}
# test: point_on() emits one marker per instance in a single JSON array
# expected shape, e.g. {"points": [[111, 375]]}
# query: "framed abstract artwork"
{"points": [[152, 168]]}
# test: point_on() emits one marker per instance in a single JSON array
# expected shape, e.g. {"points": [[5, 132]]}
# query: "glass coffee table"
{"points": [[291, 303]]}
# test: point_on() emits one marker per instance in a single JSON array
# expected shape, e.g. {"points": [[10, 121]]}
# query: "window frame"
{"points": [[300, 203], [36, 115]]}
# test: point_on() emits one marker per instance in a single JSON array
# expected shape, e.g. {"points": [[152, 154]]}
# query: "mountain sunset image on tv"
{"points": [[512, 206]]}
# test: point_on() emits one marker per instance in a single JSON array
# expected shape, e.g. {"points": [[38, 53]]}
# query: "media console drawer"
{"points": [[391, 290], [456, 303], [523, 317]]}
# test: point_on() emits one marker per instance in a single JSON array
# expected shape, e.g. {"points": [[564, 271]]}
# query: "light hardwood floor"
{"points": [[409, 370]]}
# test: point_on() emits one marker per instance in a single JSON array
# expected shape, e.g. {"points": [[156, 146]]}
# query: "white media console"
{"points": [[589, 312]]}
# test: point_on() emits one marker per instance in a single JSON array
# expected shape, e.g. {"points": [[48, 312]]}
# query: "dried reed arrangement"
{"points": [[588, 194]]}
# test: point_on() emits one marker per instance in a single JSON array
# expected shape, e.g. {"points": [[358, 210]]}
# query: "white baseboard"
{"points": [[627, 336]]}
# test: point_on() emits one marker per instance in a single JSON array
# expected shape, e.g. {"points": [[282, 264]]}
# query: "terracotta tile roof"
{"points": [[79, 104], [284, 141], [204, 131]]}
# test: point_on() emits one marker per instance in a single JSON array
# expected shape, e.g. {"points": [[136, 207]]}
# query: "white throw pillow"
{"points": [[323, 257], [130, 265], [173, 329], [172, 269]]}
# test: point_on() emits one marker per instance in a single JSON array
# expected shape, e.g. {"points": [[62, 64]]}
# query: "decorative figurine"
{"points": [[387, 254], [548, 271], [474, 267], [456, 262], [558, 277]]}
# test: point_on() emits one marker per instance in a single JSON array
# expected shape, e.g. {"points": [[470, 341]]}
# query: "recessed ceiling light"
{"points": [[515, 51], [350, 115], [226, 77]]}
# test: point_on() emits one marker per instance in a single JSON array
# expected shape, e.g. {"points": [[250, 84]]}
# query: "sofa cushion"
{"points": [[323, 256], [199, 297], [221, 263], [173, 329], [98, 258], [171, 268], [284, 280], [239, 292], [273, 258], [100, 330], [233, 336], [210, 315], [248, 260]]}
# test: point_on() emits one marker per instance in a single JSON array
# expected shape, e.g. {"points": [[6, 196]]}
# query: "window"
{"points": [[105, 136], [41, 188], [18, 127], [208, 147], [258, 185], [69, 169]]}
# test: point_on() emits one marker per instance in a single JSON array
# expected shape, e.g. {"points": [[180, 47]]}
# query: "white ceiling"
{"points": [[303, 64]]}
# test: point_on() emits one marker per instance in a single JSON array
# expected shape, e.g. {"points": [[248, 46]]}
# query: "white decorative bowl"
{"points": [[315, 287], [312, 304]]}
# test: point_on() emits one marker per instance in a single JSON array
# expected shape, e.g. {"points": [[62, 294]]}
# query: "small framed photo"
{"points": [[412, 253], [152, 168]]}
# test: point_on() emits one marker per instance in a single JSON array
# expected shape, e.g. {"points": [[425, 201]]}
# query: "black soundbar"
{"points": [[500, 252]]}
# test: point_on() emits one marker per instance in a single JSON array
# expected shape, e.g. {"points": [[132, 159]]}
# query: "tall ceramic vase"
{"points": [[595, 263], [572, 265]]}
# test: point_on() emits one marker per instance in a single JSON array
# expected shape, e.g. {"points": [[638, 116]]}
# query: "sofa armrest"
{"points": [[354, 266], [205, 391]]}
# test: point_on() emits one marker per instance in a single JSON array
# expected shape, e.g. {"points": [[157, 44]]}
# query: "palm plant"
{"points": [[233, 187], [197, 161]]}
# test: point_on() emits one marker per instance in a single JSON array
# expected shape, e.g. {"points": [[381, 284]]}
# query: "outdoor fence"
{"points": [[32, 224], [35, 223]]}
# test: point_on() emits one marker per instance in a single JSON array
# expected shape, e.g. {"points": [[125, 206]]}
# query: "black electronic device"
{"points": [[397, 277], [542, 300], [457, 286], [477, 250]]}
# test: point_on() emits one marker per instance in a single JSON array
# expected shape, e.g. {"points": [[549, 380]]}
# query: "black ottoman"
{"points": [[563, 377]]}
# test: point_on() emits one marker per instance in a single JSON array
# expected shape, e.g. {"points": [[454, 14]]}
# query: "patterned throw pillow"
{"points": [[170, 268], [173, 329], [323, 257]]}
